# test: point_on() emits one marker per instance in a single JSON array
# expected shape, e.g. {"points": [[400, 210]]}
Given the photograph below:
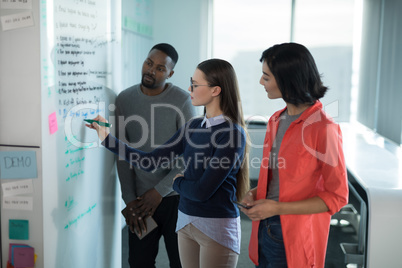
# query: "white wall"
{"points": [[20, 117], [19, 76], [183, 24]]}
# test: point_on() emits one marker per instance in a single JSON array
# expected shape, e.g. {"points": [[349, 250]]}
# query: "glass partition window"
{"points": [[326, 28], [243, 29]]}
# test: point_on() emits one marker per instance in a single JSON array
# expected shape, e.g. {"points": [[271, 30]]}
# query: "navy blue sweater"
{"points": [[212, 158]]}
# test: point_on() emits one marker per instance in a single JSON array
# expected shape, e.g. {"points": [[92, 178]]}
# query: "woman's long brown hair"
{"points": [[221, 73]]}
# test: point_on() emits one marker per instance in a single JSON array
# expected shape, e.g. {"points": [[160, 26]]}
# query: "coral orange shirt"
{"points": [[312, 164]]}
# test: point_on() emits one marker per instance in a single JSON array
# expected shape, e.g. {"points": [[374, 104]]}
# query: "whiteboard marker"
{"points": [[98, 122]]}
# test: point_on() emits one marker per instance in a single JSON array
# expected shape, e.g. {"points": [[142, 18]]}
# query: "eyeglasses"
{"points": [[194, 86]]}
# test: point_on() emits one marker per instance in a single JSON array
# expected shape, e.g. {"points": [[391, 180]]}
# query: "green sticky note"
{"points": [[18, 229]]}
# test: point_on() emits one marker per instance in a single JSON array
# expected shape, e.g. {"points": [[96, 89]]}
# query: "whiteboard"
{"points": [[80, 196]]}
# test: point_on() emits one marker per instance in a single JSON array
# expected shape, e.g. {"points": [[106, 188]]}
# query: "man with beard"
{"points": [[148, 114]]}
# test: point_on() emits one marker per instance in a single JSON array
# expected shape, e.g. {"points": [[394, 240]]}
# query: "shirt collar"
{"points": [[305, 115], [213, 121]]}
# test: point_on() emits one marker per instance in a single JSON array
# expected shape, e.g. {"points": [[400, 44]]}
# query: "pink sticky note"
{"points": [[10, 250], [53, 123], [24, 257]]}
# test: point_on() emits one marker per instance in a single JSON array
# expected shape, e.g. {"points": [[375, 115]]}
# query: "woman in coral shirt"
{"points": [[302, 179]]}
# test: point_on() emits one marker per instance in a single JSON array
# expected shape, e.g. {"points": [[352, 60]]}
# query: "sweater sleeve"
{"points": [[164, 187], [227, 156], [162, 155]]}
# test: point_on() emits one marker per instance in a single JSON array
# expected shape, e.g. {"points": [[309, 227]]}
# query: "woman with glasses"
{"points": [[214, 149], [302, 179]]}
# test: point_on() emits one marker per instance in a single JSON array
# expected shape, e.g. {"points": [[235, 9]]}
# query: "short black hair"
{"points": [[295, 72], [168, 50]]}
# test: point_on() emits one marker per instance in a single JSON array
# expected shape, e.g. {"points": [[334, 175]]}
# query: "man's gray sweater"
{"points": [[146, 122]]}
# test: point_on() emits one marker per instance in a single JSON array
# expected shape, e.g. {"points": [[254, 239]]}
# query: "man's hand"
{"points": [[135, 224], [137, 210], [147, 203]]}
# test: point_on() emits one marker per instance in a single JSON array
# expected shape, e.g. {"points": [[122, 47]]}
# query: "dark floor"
{"points": [[334, 259]]}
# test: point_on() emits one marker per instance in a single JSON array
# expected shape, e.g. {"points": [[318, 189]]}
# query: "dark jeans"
{"points": [[142, 253], [271, 250]]}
